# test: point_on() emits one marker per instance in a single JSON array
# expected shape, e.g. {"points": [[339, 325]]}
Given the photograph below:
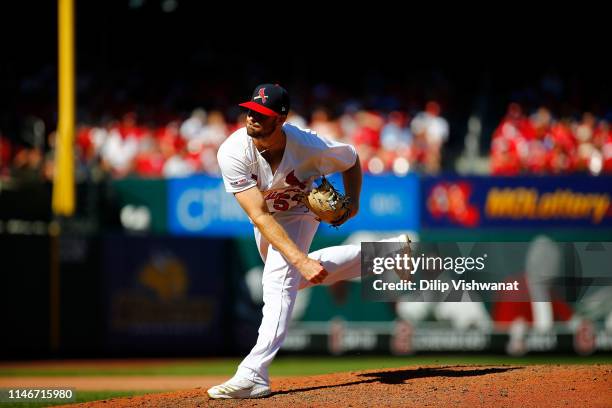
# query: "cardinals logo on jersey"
{"points": [[292, 180], [262, 95]]}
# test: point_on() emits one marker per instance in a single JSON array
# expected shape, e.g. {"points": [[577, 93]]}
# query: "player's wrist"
{"points": [[299, 261]]}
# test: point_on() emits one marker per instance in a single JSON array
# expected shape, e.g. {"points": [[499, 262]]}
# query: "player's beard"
{"points": [[261, 133]]}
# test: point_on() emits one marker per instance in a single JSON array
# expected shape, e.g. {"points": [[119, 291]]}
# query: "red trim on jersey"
{"points": [[259, 108]]}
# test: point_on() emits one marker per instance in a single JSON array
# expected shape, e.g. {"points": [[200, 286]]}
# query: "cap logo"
{"points": [[262, 95]]}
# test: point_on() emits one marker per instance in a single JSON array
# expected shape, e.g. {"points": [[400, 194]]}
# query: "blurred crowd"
{"points": [[393, 142], [541, 144], [130, 125]]}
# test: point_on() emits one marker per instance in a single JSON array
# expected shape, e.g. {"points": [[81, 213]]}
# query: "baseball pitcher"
{"points": [[270, 166]]}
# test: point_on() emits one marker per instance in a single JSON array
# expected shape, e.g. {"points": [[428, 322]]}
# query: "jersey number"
{"points": [[280, 203]]}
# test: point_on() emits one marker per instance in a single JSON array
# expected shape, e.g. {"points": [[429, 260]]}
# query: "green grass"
{"points": [[293, 366], [81, 396]]}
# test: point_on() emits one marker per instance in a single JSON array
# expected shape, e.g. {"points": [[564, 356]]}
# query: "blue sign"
{"points": [[388, 203], [545, 201], [200, 205], [165, 292]]}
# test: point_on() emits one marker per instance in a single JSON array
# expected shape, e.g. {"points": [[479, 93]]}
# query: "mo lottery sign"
{"points": [[546, 201]]}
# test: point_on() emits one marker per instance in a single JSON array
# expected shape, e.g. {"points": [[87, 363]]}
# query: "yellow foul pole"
{"points": [[63, 179]]}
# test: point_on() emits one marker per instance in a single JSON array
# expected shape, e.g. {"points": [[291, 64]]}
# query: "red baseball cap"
{"points": [[269, 100]]}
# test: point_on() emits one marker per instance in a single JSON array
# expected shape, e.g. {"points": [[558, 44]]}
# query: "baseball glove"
{"points": [[328, 204]]}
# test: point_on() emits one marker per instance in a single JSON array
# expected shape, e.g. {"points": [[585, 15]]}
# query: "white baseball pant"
{"points": [[281, 282]]}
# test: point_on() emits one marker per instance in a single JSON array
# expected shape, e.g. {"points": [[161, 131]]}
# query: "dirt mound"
{"points": [[525, 386]]}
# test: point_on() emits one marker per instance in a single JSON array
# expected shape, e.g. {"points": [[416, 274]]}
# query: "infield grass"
{"points": [[282, 366]]}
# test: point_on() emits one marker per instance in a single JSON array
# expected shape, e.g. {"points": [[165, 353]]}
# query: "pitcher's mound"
{"points": [[456, 386]]}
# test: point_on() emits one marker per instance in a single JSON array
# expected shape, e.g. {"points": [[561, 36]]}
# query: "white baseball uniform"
{"points": [[306, 157]]}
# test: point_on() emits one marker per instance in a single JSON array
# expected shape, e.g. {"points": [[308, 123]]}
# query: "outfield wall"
{"points": [[169, 267]]}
